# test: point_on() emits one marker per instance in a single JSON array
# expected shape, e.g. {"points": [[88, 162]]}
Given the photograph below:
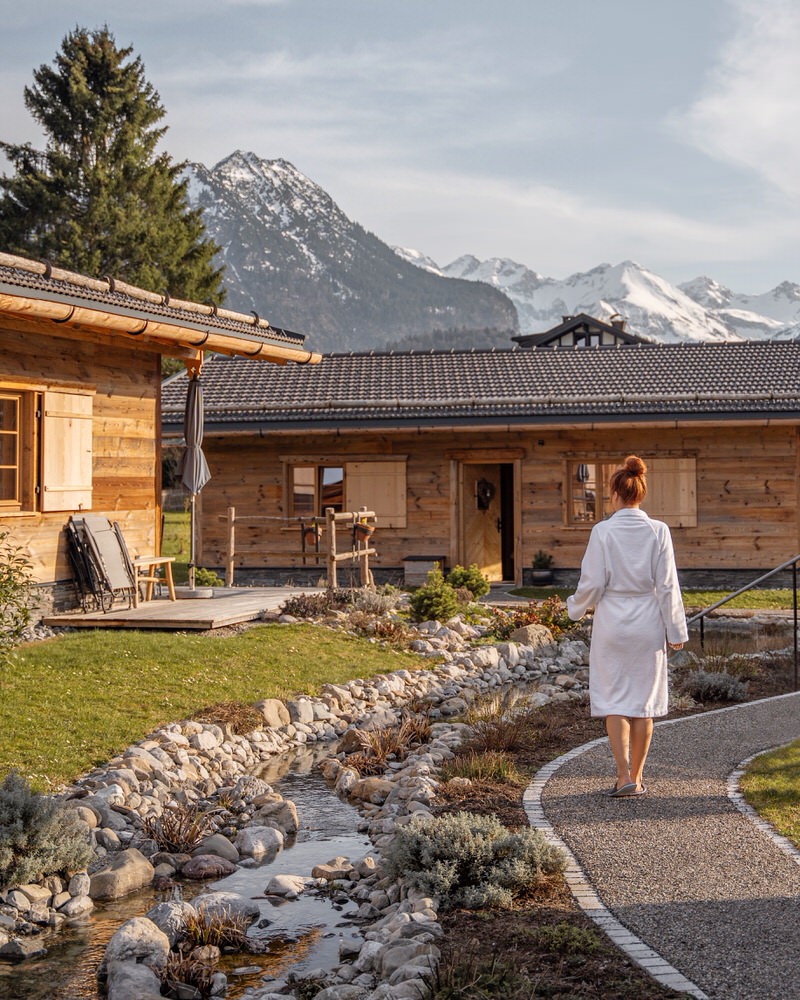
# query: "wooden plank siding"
{"points": [[125, 438], [746, 489]]}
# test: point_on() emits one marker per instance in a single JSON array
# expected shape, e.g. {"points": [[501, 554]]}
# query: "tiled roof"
{"points": [[645, 381], [39, 280]]}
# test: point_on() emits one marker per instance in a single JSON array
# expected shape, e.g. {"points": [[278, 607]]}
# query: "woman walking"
{"points": [[628, 575]]}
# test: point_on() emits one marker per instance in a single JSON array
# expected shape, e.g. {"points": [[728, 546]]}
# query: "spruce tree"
{"points": [[101, 199]]}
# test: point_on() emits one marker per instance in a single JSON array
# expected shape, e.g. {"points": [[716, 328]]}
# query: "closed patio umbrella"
{"points": [[193, 468]]}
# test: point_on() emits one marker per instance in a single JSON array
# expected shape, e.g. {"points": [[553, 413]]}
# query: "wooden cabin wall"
{"points": [[747, 490], [126, 464]]}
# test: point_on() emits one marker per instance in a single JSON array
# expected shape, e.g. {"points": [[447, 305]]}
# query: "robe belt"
{"points": [[629, 593]]}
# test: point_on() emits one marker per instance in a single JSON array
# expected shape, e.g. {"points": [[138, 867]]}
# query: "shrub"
{"points": [[470, 860], [502, 721], [179, 829], [16, 593], [318, 605], [551, 613], [470, 579], [207, 578], [377, 600], [703, 685], [435, 599], [38, 835]]}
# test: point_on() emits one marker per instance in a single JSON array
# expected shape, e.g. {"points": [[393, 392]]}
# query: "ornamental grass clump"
{"points": [[502, 721], [472, 861], [180, 828], [38, 835]]}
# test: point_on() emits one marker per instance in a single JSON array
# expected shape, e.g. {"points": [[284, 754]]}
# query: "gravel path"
{"points": [[682, 868]]}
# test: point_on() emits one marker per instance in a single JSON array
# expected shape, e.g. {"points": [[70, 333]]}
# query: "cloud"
{"points": [[749, 111]]}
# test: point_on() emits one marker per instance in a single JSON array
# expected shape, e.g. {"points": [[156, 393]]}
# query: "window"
{"points": [[376, 485], [10, 453], [315, 487], [45, 450], [588, 498], [671, 490]]}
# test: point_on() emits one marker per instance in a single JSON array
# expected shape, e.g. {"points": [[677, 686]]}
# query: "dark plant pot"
{"points": [[364, 531], [542, 576]]}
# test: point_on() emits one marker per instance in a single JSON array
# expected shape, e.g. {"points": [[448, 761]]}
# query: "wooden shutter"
{"points": [[66, 451], [378, 486], [672, 491]]}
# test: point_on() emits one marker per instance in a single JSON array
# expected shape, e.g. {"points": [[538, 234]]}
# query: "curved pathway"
{"points": [[684, 879]]}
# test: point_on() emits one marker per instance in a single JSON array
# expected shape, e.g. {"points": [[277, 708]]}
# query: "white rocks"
{"points": [[170, 918], [137, 940]]}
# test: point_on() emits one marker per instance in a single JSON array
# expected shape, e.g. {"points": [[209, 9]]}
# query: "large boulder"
{"points": [[259, 842], [129, 870], [371, 789], [533, 635], [171, 917], [137, 940], [282, 815], [227, 902], [274, 712], [219, 845], [207, 866], [132, 981]]}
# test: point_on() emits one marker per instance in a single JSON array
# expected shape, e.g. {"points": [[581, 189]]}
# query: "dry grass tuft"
{"points": [[239, 717]]}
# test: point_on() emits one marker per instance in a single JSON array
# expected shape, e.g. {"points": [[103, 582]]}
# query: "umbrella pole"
{"points": [[191, 541]]}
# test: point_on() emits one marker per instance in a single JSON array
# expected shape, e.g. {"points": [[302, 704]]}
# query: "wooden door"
{"points": [[481, 524]]}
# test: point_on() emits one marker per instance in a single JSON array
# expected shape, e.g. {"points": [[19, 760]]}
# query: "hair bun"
{"points": [[635, 466]]}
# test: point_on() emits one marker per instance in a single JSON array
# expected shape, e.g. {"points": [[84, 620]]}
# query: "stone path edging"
{"points": [[578, 881], [736, 796], [584, 893]]}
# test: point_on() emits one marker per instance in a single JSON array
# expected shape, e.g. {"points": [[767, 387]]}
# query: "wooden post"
{"points": [[363, 557], [231, 547], [330, 524]]}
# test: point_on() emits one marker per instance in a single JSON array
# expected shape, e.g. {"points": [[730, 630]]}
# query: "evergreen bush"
{"points": [[469, 860], [38, 835], [470, 579], [16, 593], [435, 599], [704, 685]]}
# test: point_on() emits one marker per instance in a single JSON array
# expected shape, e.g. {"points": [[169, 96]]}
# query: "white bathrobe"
{"points": [[628, 575]]}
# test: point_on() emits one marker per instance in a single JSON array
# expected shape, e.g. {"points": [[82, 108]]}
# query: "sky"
{"points": [[559, 133]]}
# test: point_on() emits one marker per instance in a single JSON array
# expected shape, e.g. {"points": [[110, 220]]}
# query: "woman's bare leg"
{"points": [[618, 728], [641, 732]]}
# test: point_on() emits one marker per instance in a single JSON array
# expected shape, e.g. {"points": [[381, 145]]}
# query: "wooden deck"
{"points": [[228, 606]]}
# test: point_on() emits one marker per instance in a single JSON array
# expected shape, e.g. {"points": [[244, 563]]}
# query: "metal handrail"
{"points": [[700, 616]]}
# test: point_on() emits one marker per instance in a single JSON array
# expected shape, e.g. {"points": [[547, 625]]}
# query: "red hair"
{"points": [[629, 482]]}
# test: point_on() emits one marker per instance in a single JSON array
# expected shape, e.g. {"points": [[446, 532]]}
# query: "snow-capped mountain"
{"points": [[292, 255], [698, 310]]}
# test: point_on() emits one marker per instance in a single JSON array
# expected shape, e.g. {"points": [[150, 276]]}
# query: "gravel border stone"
{"points": [[708, 899]]}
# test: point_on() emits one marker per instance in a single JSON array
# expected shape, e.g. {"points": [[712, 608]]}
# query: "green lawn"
{"points": [[772, 787], [73, 702], [694, 599], [175, 542]]}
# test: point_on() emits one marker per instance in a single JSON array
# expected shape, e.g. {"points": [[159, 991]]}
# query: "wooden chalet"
{"points": [[583, 330], [80, 395], [487, 457]]}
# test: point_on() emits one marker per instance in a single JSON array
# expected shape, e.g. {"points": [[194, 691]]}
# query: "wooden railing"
{"points": [[701, 615], [318, 541]]}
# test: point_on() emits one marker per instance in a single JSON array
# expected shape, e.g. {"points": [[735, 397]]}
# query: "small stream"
{"points": [[303, 933]]}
